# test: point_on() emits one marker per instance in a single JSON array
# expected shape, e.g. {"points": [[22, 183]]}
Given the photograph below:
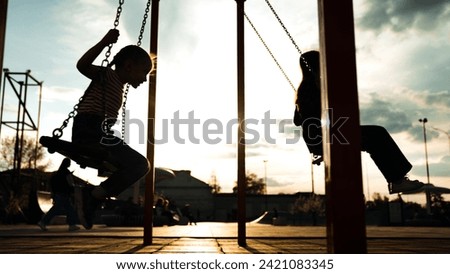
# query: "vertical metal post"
{"points": [[22, 119], [423, 121], [150, 178], [2, 98], [241, 129], [342, 135], [427, 192], [265, 186], [38, 125], [3, 14], [17, 145], [312, 174]]}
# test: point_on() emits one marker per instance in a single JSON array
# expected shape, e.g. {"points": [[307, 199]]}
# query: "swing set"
{"points": [[345, 227], [99, 158]]}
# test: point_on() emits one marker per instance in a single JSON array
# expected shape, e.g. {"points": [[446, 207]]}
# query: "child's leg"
{"points": [[312, 135], [87, 129], [133, 166], [385, 153]]}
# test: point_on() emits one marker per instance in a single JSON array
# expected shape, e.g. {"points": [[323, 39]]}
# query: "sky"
{"points": [[403, 68]]}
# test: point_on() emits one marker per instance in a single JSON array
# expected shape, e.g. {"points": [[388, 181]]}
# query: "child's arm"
{"points": [[85, 64]]}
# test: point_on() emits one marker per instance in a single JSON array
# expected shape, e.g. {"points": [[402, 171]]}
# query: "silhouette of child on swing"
{"points": [[375, 140], [98, 111]]}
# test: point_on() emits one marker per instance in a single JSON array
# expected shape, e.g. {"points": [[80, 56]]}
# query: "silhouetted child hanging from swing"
{"points": [[375, 140], [98, 111]]}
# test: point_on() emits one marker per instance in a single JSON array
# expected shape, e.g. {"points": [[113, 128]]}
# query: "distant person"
{"points": [[61, 184], [97, 113], [275, 212], [375, 140], [186, 211]]}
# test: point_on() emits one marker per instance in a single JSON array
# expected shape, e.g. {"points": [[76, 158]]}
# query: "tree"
{"points": [[215, 187], [313, 204], [440, 208], [377, 202], [253, 185], [30, 155]]}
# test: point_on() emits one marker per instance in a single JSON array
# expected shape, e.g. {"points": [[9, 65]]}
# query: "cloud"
{"points": [[178, 15], [436, 100], [382, 112], [438, 169], [60, 94], [427, 65], [400, 110], [416, 133], [398, 16]]}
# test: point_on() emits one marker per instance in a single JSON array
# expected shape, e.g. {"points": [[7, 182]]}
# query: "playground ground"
{"points": [[216, 238]]}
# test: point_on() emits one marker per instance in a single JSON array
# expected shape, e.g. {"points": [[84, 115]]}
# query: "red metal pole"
{"points": [[150, 178], [342, 135]]}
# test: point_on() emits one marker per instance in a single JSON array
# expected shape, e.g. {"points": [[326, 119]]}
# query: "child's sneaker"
{"points": [[405, 185]]}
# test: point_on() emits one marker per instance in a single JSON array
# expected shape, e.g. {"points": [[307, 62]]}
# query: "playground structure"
{"points": [[18, 86], [343, 176], [18, 117]]}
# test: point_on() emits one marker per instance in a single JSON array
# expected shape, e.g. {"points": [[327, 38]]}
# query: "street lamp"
{"points": [[423, 121], [265, 183], [265, 176], [427, 193]]}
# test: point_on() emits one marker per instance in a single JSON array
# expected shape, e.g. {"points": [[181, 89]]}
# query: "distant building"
{"points": [[207, 206], [186, 189], [181, 190]]}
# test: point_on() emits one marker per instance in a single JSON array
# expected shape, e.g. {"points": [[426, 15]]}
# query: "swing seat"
{"points": [[84, 155], [93, 157]]}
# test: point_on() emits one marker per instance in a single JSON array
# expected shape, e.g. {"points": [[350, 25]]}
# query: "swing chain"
{"points": [[284, 27], [58, 132], [270, 52], [105, 61], [289, 35], [144, 21], [125, 94], [124, 110]]}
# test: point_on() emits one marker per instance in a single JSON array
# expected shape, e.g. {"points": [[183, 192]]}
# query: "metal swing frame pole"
{"points": [[241, 125], [3, 15], [150, 177], [343, 176]]}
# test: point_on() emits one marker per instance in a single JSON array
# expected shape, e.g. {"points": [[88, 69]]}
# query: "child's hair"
{"points": [[309, 62], [64, 164], [131, 52]]}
